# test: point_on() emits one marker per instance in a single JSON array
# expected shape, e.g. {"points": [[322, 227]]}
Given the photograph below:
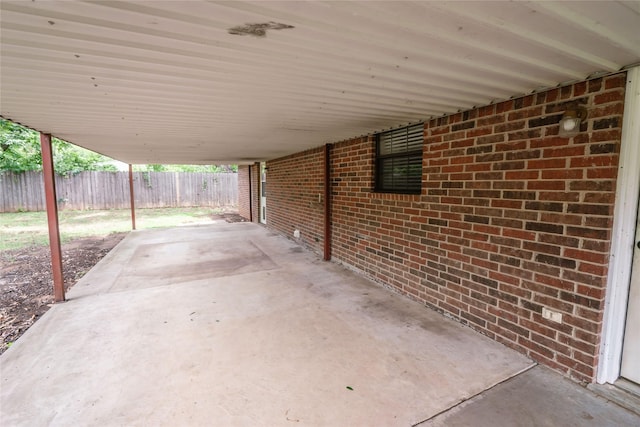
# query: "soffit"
{"points": [[168, 82]]}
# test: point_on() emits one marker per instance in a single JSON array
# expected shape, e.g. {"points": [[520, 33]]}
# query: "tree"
{"points": [[71, 159], [187, 168], [19, 148], [20, 152]]}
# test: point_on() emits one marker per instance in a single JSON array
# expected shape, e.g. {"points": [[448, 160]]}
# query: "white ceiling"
{"points": [[166, 81]]}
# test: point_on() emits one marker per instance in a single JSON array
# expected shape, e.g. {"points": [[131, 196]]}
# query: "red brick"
{"points": [[546, 185], [594, 85], [553, 163], [559, 196], [611, 96], [594, 257], [606, 110], [600, 173], [616, 81], [555, 282], [570, 151], [244, 198], [509, 127], [563, 174], [599, 270], [538, 349], [501, 107], [485, 243], [579, 89], [471, 133], [523, 114], [593, 161], [548, 142], [519, 175], [605, 135]]}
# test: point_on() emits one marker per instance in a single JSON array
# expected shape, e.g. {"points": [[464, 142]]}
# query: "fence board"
{"points": [[110, 190]]}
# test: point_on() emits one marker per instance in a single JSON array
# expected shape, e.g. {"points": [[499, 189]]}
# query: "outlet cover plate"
{"points": [[554, 316]]}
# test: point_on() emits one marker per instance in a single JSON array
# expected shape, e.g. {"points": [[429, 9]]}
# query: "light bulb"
{"points": [[569, 124]]}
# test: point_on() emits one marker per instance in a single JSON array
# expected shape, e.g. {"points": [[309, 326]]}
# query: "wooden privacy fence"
{"points": [[110, 190]]}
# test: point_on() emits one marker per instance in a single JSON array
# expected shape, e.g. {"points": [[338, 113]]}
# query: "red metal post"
{"points": [[327, 202], [133, 206], [52, 216], [250, 197]]}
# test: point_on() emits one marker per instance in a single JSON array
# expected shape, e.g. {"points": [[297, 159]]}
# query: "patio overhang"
{"points": [[207, 82]]}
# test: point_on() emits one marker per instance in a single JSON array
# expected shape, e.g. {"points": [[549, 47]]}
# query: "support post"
{"points": [[133, 206], [52, 216], [327, 202], [250, 197]]}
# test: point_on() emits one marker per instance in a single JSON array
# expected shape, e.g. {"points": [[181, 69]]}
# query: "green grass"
{"points": [[24, 229]]}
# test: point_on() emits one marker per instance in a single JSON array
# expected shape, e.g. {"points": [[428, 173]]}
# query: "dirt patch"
{"points": [[26, 284], [229, 217]]}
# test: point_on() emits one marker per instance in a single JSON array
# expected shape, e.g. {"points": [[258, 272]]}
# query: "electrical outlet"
{"points": [[554, 316], [296, 234]]}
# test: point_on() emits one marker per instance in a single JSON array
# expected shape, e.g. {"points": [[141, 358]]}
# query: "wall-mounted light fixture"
{"points": [[573, 116]]}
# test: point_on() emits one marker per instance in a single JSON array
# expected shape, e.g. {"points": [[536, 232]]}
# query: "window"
{"points": [[399, 160]]}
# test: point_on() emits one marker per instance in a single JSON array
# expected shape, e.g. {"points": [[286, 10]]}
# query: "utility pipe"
{"points": [[327, 202], [250, 197]]}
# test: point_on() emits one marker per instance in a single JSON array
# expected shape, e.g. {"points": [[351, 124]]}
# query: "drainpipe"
{"points": [[250, 197], [133, 206], [327, 202], [52, 216]]}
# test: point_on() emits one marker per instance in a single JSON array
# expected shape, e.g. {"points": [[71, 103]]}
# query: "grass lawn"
{"points": [[24, 229]]}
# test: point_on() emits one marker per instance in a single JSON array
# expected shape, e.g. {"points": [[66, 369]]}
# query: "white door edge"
{"points": [[623, 238], [629, 366]]}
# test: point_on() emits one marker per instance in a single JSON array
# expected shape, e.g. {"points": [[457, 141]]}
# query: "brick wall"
{"points": [[244, 199], [512, 218], [293, 186]]}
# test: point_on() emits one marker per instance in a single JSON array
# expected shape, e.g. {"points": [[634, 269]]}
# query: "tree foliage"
{"points": [[71, 159], [187, 168], [20, 152], [19, 148]]}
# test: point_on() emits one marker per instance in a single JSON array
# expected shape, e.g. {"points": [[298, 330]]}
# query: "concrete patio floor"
{"points": [[232, 325]]}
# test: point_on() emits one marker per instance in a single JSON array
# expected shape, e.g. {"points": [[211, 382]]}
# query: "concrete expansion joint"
{"points": [[528, 368]]}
